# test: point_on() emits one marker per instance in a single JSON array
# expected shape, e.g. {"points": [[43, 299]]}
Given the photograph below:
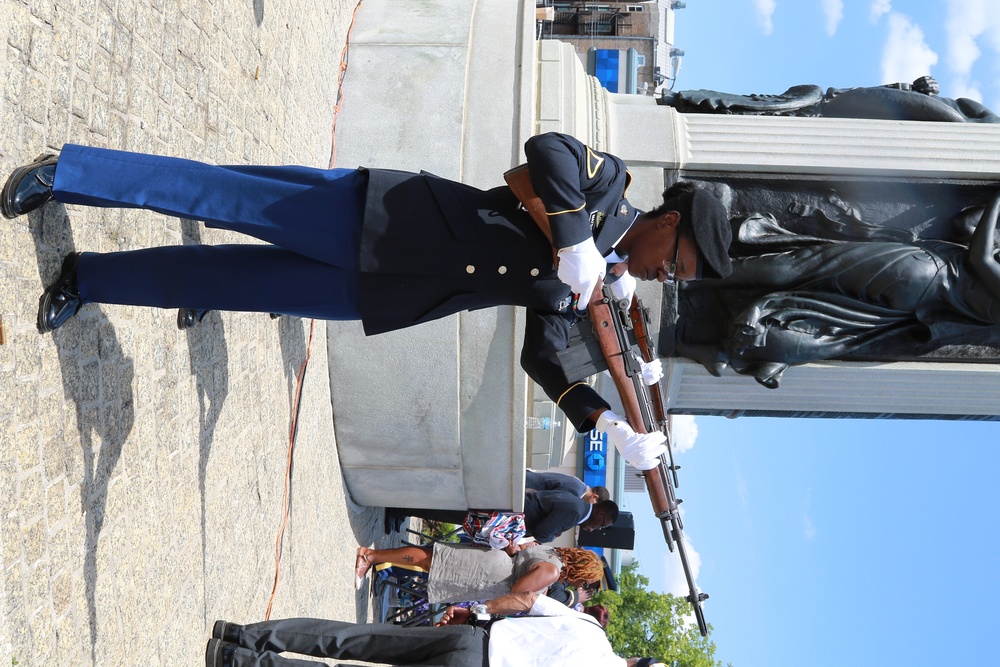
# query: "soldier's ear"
{"points": [[668, 219]]}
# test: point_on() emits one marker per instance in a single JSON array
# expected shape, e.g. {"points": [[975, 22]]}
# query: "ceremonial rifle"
{"points": [[613, 320]]}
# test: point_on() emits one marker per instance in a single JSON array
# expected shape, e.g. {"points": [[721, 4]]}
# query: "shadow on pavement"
{"points": [[208, 357], [98, 378]]}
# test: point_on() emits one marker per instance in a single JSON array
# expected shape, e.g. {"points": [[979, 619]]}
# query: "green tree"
{"points": [[645, 623], [441, 530]]}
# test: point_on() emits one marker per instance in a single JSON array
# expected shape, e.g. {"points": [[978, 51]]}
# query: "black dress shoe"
{"points": [[28, 187], [227, 632], [61, 300], [393, 521], [189, 317], [219, 653]]}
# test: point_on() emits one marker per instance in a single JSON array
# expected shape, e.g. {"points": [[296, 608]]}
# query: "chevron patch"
{"points": [[594, 162]]}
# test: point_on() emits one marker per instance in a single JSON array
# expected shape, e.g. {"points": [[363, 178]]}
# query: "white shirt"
{"points": [[552, 635]]}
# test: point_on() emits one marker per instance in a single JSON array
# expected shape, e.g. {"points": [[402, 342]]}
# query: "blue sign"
{"points": [[618, 71], [595, 458], [594, 446], [607, 69]]}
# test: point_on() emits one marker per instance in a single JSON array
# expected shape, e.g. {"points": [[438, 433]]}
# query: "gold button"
{"points": [[470, 269], [534, 272], [502, 270]]}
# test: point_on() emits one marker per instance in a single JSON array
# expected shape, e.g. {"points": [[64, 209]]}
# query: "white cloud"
{"points": [[808, 528], [965, 88], [833, 13], [963, 52], [971, 27], [878, 9], [905, 55], [742, 490], [684, 432], [674, 581], [765, 12]]}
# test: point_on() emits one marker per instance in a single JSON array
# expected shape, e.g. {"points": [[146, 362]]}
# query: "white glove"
{"points": [[580, 267], [624, 287], [651, 372], [642, 450]]}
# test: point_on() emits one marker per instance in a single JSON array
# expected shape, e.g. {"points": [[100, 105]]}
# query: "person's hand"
{"points": [[584, 594], [651, 372], [512, 548], [642, 450], [624, 286], [454, 616], [927, 85], [580, 267]]}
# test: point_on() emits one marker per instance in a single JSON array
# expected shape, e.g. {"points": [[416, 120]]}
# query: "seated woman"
{"points": [[458, 572]]}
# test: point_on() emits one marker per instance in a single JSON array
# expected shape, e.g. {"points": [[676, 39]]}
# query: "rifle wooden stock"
{"points": [[519, 181], [602, 318]]}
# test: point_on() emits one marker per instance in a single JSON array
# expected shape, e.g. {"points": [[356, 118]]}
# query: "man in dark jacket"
{"points": [[549, 635], [546, 514], [390, 248], [557, 481]]}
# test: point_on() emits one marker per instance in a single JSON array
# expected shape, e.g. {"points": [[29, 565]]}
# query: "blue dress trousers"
{"points": [[311, 219]]}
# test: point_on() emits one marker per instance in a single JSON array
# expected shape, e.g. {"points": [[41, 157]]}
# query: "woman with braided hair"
{"points": [[457, 573], [580, 566]]}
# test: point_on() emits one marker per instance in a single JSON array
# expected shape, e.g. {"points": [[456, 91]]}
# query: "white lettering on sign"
{"points": [[596, 443]]}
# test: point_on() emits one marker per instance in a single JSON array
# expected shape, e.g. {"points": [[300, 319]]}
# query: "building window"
{"points": [[635, 8], [640, 61]]}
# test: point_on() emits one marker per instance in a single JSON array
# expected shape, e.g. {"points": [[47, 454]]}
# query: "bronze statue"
{"points": [[897, 101], [821, 298]]}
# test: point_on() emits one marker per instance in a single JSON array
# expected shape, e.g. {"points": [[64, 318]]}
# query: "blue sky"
{"points": [[840, 542], [834, 542], [765, 46]]}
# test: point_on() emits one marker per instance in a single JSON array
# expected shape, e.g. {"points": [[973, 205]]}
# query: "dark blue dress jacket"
{"points": [[431, 247]]}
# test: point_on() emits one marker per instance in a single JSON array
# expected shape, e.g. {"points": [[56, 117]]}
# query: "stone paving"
{"points": [[142, 468]]}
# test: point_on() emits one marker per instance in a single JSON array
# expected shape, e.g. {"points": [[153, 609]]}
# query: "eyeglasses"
{"points": [[671, 267]]}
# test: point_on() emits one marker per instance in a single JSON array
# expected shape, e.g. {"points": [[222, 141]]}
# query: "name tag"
{"points": [[597, 221]]}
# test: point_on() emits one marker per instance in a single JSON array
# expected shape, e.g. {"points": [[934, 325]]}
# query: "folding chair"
{"points": [[403, 590]]}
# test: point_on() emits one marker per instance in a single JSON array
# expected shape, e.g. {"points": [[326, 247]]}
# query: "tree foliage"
{"points": [[645, 623], [442, 531]]}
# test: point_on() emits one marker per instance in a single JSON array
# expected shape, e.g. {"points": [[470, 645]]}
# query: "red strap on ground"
{"points": [[312, 330]]}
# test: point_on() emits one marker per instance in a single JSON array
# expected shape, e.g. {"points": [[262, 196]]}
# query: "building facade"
{"points": [[628, 46]]}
